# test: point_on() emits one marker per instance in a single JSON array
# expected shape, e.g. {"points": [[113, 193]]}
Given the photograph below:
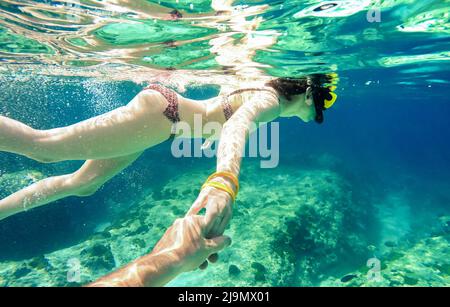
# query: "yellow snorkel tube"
{"points": [[334, 79], [324, 97]]}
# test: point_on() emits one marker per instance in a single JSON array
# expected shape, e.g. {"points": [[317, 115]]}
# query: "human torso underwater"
{"points": [[197, 118]]}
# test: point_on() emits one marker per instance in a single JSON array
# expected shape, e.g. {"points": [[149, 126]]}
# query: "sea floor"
{"points": [[291, 227]]}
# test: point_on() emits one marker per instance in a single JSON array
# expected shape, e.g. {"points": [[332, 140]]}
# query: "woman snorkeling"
{"points": [[112, 141]]}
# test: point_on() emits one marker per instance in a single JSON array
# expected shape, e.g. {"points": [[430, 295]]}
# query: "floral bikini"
{"points": [[172, 112]]}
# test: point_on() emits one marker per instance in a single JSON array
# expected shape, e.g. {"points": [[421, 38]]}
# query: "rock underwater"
{"points": [[290, 228], [425, 264]]}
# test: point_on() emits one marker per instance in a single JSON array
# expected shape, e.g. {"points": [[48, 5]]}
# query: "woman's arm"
{"points": [[263, 107]]}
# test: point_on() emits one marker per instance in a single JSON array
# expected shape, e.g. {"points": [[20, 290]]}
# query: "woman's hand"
{"points": [[218, 205]]}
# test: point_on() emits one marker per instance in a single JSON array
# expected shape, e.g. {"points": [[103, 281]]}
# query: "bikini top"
{"points": [[226, 105], [172, 112]]}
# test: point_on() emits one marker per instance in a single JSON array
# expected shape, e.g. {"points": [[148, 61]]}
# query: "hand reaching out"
{"points": [[219, 209], [184, 247], [187, 244]]}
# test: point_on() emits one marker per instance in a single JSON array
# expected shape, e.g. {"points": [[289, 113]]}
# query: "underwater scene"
{"points": [[360, 200]]}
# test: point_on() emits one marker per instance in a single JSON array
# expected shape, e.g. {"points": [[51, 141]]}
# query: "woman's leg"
{"points": [[84, 182], [16, 137], [123, 131]]}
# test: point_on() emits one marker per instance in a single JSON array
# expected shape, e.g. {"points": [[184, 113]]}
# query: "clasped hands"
{"points": [[198, 231], [187, 245]]}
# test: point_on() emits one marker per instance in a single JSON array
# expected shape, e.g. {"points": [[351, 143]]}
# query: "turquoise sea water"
{"points": [[370, 184]]}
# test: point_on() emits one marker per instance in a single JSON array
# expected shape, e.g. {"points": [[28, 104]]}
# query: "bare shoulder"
{"points": [[263, 100], [264, 106]]}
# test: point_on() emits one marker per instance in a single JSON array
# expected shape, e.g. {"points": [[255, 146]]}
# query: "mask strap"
{"points": [[309, 96]]}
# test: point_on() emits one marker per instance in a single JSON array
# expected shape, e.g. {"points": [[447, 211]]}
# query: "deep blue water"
{"points": [[385, 137]]}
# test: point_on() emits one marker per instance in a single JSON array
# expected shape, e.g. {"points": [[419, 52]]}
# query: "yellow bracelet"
{"points": [[228, 175], [222, 187]]}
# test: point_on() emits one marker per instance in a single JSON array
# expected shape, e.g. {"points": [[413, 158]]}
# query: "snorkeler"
{"points": [[112, 141], [183, 248]]}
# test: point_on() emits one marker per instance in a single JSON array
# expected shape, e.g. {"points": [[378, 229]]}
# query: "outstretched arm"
{"points": [[183, 248], [263, 107]]}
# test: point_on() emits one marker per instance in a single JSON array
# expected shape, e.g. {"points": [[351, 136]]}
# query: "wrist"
{"points": [[157, 269], [225, 181], [223, 188]]}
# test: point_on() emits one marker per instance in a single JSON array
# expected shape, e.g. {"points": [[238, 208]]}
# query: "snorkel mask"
{"points": [[321, 93]]}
